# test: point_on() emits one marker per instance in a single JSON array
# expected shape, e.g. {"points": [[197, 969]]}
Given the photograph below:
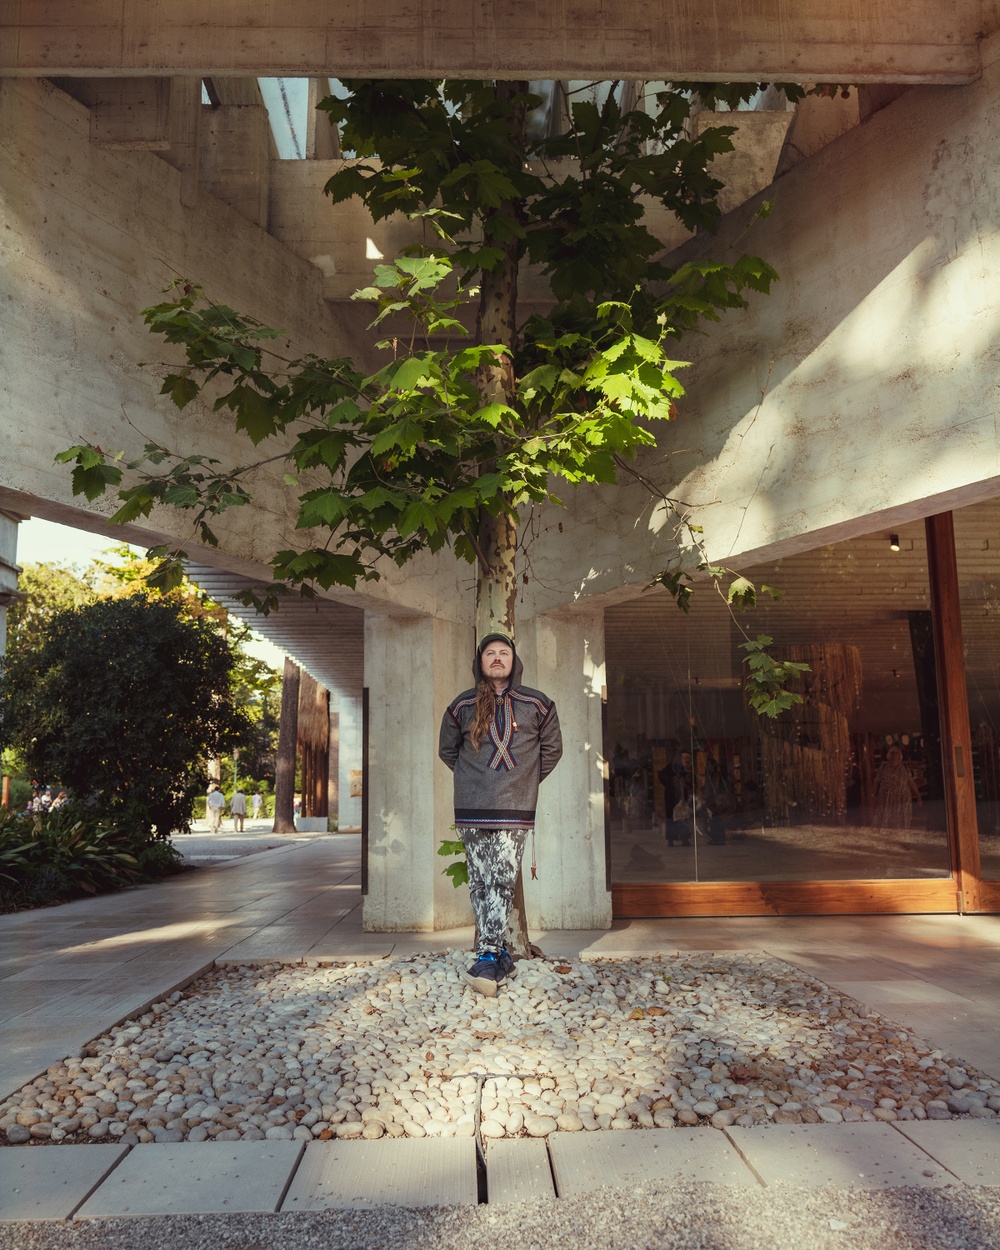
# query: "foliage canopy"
{"points": [[122, 702], [476, 416], [465, 420]]}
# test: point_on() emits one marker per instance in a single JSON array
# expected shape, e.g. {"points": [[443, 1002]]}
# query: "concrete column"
{"points": [[564, 657], [349, 765], [333, 761], [413, 668], [8, 571]]}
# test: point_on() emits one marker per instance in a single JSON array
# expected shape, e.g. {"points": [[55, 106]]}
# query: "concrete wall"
{"points": [[413, 668], [567, 654], [90, 237], [861, 393], [8, 572], [349, 761]]}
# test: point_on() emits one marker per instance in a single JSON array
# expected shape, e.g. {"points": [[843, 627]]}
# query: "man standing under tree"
{"points": [[500, 740]]}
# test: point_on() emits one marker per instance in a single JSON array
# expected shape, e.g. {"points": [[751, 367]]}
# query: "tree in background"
{"points": [[257, 693], [44, 590], [122, 702]]}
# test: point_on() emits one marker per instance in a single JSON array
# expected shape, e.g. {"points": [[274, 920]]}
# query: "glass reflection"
{"points": [[846, 786]]}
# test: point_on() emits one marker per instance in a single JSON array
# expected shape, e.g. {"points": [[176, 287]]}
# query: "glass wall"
{"points": [[846, 786], [977, 549]]}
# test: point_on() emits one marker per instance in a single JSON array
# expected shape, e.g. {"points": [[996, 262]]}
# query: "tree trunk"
{"points": [[496, 585], [314, 745], [496, 323], [284, 772]]}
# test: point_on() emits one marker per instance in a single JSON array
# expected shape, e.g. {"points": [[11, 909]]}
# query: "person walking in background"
{"points": [[256, 803], [500, 740], [895, 791], [214, 804], [238, 810]]}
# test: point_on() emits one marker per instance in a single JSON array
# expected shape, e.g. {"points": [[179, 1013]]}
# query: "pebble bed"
{"points": [[404, 1048]]}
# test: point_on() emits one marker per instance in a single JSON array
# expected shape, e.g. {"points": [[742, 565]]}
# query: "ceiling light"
{"points": [[893, 542]]}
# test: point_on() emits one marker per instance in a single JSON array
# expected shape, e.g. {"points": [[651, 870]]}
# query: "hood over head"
{"points": [[516, 671]]}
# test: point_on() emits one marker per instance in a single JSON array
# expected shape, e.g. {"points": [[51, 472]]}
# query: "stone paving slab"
{"points": [[26, 994], [901, 990], [408, 1172], [517, 1169], [858, 1156], [582, 1162], [186, 1179], [47, 1183], [969, 1148]]}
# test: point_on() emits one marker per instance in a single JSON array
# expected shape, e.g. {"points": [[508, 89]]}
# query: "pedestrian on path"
{"points": [[500, 739], [238, 810], [256, 803], [214, 804]]}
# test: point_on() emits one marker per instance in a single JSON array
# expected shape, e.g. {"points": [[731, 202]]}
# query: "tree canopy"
{"points": [[122, 702], [476, 416]]}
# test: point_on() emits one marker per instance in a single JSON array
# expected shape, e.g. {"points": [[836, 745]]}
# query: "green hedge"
{"points": [[51, 857]]}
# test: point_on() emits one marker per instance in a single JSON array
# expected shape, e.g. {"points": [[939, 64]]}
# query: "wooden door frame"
{"points": [[953, 701]]}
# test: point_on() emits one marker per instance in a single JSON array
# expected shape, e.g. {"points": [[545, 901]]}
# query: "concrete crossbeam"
{"points": [[897, 41]]}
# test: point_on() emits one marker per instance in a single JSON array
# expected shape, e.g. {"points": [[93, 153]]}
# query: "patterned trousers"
{"points": [[493, 857]]}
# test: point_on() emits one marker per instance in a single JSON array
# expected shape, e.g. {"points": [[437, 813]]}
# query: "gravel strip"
{"points": [[684, 1217], [290, 1052]]}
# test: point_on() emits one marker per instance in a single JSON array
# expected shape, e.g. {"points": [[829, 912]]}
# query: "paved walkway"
{"points": [[69, 972]]}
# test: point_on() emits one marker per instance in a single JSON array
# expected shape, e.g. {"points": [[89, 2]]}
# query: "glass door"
{"points": [[838, 804]]}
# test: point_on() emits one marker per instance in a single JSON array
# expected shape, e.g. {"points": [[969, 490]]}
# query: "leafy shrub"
{"points": [[123, 701], [51, 857]]}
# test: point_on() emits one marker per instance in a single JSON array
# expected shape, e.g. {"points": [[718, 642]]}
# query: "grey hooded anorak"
{"points": [[497, 786]]}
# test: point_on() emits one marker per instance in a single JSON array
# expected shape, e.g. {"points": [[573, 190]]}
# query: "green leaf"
{"points": [[450, 847], [94, 481], [742, 592], [411, 374], [181, 388], [418, 516], [254, 412], [182, 496]]}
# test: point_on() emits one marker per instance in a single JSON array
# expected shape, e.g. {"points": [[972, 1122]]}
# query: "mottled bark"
{"points": [[496, 323], [496, 586]]}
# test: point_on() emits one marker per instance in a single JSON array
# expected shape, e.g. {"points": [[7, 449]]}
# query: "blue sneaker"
{"points": [[485, 974], [506, 962]]}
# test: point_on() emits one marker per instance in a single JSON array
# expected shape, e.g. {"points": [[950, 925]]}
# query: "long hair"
{"points": [[485, 703]]}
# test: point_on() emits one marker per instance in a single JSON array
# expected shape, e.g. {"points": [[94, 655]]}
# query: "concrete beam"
{"points": [[791, 40], [131, 115], [235, 159]]}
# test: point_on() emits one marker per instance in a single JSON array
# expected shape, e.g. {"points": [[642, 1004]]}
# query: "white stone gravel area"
{"points": [[403, 1048]]}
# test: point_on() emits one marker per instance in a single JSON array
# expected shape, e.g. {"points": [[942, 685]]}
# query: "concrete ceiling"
{"points": [[902, 41], [323, 637]]}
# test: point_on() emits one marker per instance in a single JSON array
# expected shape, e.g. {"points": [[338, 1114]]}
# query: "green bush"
{"points": [[51, 857], [123, 702]]}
